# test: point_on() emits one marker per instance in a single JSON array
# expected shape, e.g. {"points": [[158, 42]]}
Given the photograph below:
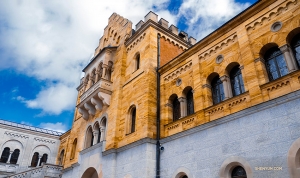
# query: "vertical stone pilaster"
{"points": [[95, 133], [289, 59], [227, 86], [183, 107], [102, 132]]}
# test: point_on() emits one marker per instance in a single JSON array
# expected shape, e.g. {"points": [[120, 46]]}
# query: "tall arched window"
{"points": [[137, 62], [14, 156], [43, 159], [35, 159], [190, 102], [176, 108], [133, 119], [275, 63], [296, 48], [74, 145], [236, 80], [238, 172], [5, 155], [61, 157], [217, 90], [89, 138]]}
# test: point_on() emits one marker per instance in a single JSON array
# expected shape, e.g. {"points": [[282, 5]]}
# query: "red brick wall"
{"points": [[168, 51]]}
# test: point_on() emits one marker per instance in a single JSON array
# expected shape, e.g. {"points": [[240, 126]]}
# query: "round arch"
{"points": [[230, 163], [90, 173], [182, 171], [293, 159]]}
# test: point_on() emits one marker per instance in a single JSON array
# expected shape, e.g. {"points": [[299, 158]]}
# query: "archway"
{"points": [[90, 173]]}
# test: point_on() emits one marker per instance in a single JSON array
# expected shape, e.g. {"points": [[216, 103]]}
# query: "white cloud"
{"points": [[205, 16], [53, 40], [59, 127]]}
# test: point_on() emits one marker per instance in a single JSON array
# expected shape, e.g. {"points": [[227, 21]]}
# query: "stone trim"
{"points": [[181, 171], [260, 107], [293, 159], [231, 162], [129, 146], [90, 148]]}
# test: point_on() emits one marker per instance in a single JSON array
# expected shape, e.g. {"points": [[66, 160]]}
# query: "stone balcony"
{"points": [[46, 170], [7, 168], [95, 98]]}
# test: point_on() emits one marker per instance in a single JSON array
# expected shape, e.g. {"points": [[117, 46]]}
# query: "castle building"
{"points": [[154, 103], [28, 150]]}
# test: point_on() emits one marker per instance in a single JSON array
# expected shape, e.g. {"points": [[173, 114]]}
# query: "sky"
{"points": [[44, 45]]}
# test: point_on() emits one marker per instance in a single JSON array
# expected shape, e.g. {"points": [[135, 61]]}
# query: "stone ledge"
{"points": [[129, 146], [263, 106], [91, 148]]}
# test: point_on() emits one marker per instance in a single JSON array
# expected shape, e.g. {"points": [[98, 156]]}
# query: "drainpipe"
{"points": [[158, 110]]}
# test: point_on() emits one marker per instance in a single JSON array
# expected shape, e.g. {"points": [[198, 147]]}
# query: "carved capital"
{"points": [[169, 105], [285, 48], [241, 67], [224, 78], [181, 99]]}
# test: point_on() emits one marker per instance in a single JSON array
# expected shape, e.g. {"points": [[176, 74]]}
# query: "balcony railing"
{"points": [[103, 84], [9, 168]]}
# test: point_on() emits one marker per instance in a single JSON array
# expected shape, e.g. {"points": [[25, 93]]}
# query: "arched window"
{"points": [[137, 62], [238, 172], [296, 48], [5, 155], [35, 159], [61, 157], [236, 80], [102, 129], [176, 108], [133, 119], [74, 145], [275, 63], [43, 159], [14, 156], [89, 138], [217, 90], [190, 102]]}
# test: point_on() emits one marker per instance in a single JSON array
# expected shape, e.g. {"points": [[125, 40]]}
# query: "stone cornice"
{"points": [[91, 148]]}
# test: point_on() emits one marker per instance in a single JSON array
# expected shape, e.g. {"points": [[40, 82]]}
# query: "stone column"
{"points": [[183, 107], [9, 157], [102, 136], [95, 133], [40, 157], [289, 59], [97, 76], [104, 71], [227, 87]]}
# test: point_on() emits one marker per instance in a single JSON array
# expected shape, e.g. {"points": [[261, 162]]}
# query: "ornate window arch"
{"points": [[236, 79], [61, 157], [173, 100], [89, 137], [103, 125], [217, 89], [14, 156], [137, 60], [97, 131], [236, 167], [44, 159], [295, 44], [187, 101], [35, 159], [74, 146]]}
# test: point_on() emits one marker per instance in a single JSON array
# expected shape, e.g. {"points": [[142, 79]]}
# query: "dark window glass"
{"points": [[190, 103], [137, 61], [44, 159], [99, 136], [217, 90], [238, 172], [176, 109], [5, 155], [35, 159], [275, 63], [74, 148], [14, 156], [184, 177], [61, 158], [133, 117], [237, 81], [92, 137], [296, 48]]}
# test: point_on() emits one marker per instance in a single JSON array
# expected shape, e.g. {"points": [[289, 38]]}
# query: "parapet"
{"points": [[165, 24]]}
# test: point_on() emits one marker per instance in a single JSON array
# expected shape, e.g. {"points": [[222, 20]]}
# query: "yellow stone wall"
{"points": [[239, 41]]}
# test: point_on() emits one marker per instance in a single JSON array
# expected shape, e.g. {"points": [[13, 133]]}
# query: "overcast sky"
{"points": [[45, 44]]}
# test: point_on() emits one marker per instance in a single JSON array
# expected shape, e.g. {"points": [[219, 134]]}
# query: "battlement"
{"points": [[165, 24]]}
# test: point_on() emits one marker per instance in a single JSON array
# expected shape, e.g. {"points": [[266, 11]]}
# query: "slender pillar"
{"points": [[95, 133], [183, 107], [9, 157], [102, 130], [289, 59], [97, 76], [227, 86], [40, 157], [104, 71]]}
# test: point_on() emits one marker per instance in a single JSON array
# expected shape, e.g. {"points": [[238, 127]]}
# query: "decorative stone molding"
{"points": [[169, 105], [188, 121], [237, 102], [206, 86], [260, 59], [233, 161], [44, 140], [173, 126], [270, 15], [175, 43], [219, 46], [275, 27], [178, 71], [215, 110], [278, 85], [16, 135], [139, 39]]}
